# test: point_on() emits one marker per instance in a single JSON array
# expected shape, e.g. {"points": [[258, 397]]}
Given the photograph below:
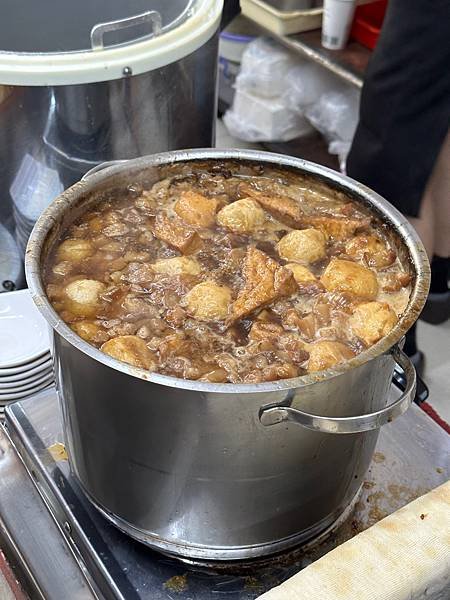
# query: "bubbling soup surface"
{"points": [[223, 275]]}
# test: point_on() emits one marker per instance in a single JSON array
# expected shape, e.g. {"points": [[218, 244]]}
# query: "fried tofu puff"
{"points": [[301, 274], [180, 265], [208, 301], [75, 250], [195, 209], [304, 246], [371, 321], [347, 276], [242, 216], [89, 331], [326, 354], [370, 248], [82, 296], [130, 349]]}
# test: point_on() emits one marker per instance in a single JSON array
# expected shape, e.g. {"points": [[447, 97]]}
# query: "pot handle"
{"points": [[101, 166], [98, 31], [270, 415]]}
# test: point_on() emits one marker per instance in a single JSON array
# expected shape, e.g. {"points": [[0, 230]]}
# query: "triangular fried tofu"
{"points": [[285, 209], [265, 281]]}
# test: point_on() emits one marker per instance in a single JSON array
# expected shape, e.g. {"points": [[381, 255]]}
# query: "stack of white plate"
{"points": [[25, 361]]}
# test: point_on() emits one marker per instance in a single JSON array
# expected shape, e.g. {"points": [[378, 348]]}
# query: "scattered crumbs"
{"points": [[177, 584], [439, 470], [367, 485], [58, 451], [251, 583], [402, 494], [376, 512], [356, 526], [423, 515], [379, 457]]}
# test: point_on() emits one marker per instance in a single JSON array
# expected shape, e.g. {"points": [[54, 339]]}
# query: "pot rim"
{"points": [[50, 217]]}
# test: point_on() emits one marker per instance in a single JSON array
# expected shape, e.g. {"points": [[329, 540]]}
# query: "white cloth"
{"points": [[405, 556]]}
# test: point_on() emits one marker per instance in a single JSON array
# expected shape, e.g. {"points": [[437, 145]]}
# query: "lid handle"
{"points": [[99, 30]]}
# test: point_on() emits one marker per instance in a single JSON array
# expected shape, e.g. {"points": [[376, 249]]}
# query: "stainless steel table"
{"points": [[66, 549]]}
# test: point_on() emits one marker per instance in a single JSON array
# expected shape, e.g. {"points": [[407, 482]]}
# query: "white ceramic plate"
{"points": [[27, 367], [27, 373], [23, 384], [29, 392], [23, 331]]}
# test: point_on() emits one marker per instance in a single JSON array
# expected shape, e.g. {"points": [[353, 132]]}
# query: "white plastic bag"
{"points": [[262, 109], [306, 82], [336, 115], [264, 67], [280, 97]]}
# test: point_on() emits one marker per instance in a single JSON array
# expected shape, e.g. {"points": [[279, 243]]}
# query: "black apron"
{"points": [[405, 103]]}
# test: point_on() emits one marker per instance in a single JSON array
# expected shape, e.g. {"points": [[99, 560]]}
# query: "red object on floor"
{"points": [[367, 23], [11, 578], [435, 416]]}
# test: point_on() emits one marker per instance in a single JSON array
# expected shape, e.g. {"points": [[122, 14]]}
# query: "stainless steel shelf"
{"points": [[348, 64]]}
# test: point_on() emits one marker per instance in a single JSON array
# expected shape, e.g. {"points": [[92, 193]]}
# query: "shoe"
{"points": [[436, 309]]}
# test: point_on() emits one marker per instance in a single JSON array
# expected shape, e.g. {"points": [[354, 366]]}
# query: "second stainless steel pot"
{"points": [[120, 82], [221, 471]]}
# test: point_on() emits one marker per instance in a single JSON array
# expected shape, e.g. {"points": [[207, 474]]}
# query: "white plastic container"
{"points": [[337, 21], [281, 22], [232, 43], [254, 119]]}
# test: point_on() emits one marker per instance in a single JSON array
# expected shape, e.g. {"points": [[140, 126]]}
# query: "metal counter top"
{"points": [[66, 549]]}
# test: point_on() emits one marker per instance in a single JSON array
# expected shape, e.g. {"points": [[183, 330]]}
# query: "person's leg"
{"points": [[433, 221], [440, 191], [437, 202], [424, 223]]}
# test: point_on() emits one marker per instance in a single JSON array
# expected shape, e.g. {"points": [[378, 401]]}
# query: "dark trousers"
{"points": [[405, 103]]}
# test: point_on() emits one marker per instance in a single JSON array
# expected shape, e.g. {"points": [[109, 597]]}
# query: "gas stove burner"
{"points": [[293, 555], [408, 462]]}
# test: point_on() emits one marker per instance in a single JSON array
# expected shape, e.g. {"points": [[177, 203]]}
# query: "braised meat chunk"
{"points": [[228, 275], [338, 228], [175, 234], [283, 208], [371, 250]]}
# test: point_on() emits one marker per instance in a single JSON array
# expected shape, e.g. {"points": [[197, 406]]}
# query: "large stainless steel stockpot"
{"points": [[221, 471]]}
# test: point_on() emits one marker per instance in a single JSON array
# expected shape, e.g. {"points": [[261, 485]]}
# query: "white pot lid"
{"points": [[66, 42]]}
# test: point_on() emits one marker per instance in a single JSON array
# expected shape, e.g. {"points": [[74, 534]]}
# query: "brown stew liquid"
{"points": [[221, 277]]}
